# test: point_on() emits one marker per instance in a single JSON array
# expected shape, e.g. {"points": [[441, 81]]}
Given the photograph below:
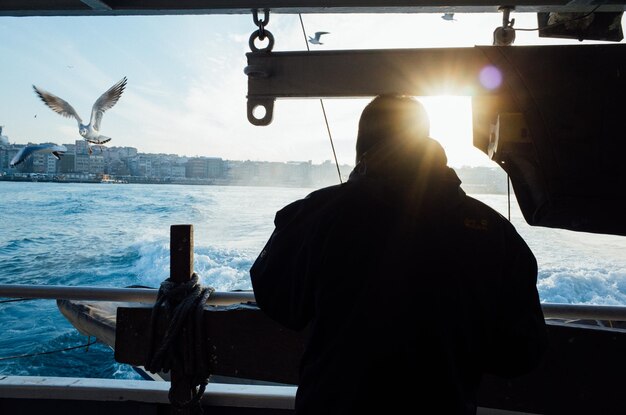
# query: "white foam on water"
{"points": [[223, 269], [582, 286]]}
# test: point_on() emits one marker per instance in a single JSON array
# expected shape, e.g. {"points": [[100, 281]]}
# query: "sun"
{"points": [[451, 125]]}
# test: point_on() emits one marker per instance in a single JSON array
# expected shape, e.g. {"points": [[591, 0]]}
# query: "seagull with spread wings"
{"points": [[91, 131], [26, 152], [316, 39]]}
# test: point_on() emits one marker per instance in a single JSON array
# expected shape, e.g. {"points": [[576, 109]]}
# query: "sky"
{"points": [[186, 90]]}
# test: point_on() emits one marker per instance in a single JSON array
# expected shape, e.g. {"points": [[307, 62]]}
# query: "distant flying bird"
{"points": [[26, 152], [448, 17], [91, 131], [316, 39]]}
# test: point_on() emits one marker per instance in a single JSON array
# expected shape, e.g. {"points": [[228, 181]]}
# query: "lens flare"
{"points": [[490, 77]]}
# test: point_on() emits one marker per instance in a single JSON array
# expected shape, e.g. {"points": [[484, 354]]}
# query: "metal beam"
{"points": [[174, 7], [363, 73]]}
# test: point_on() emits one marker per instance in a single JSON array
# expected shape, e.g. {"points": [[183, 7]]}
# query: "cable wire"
{"points": [[508, 194], [13, 300], [330, 136], [20, 356]]}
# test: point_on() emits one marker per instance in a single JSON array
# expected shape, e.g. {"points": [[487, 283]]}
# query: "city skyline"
{"points": [[128, 165], [96, 151], [79, 164]]}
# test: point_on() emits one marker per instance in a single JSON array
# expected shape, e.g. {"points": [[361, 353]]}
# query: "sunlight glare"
{"points": [[451, 125]]}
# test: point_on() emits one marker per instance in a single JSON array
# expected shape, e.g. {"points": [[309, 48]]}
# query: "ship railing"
{"points": [[91, 293], [148, 296], [98, 393]]}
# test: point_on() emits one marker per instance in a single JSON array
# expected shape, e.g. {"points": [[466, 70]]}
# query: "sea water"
{"points": [[116, 235]]}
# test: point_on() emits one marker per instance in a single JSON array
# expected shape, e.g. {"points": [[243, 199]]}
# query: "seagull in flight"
{"points": [[91, 131], [26, 152], [316, 39]]}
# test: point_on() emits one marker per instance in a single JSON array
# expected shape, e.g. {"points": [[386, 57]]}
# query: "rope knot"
{"points": [[183, 346]]}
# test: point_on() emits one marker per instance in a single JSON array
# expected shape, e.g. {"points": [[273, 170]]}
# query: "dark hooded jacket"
{"points": [[411, 291]]}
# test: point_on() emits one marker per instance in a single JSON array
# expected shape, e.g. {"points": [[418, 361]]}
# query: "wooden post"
{"points": [[181, 270], [181, 252]]}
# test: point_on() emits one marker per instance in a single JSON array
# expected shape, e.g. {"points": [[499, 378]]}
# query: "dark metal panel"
{"points": [[163, 7], [570, 176]]}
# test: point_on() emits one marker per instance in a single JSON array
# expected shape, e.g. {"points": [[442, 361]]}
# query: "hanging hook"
{"points": [[505, 34]]}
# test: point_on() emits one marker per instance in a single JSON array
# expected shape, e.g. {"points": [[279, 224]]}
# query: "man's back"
{"points": [[400, 280]]}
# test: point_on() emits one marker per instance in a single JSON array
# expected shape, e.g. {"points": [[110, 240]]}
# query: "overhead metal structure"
{"points": [[553, 127], [172, 7]]}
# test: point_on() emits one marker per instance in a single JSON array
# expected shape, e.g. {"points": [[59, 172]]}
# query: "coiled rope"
{"points": [[183, 345]]}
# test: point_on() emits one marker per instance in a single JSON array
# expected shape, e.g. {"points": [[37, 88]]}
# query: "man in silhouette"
{"points": [[410, 289]]}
